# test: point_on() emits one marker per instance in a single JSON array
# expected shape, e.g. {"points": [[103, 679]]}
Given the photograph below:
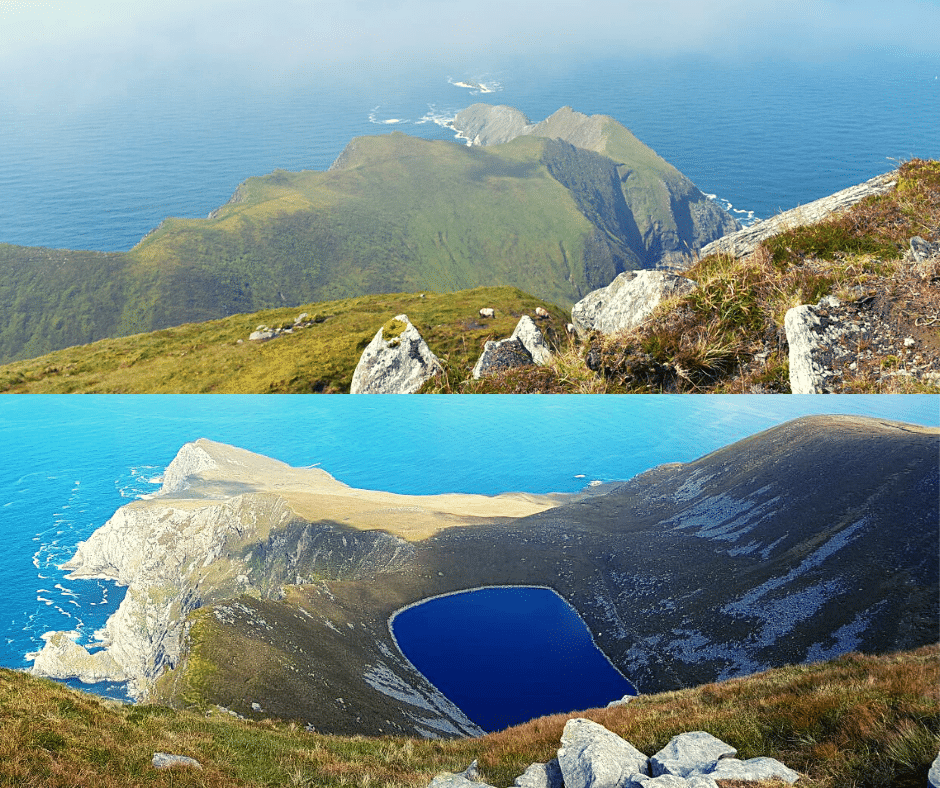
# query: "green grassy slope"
{"points": [[394, 214], [208, 357], [857, 720]]}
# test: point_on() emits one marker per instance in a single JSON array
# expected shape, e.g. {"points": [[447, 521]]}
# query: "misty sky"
{"points": [[74, 44]]}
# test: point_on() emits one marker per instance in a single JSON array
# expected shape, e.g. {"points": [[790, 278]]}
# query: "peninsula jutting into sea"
{"points": [[254, 583]]}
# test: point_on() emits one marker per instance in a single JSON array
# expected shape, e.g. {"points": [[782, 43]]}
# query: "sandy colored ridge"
{"points": [[206, 471]]}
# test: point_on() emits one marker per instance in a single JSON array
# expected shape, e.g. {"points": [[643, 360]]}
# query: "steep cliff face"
{"points": [[653, 211]]}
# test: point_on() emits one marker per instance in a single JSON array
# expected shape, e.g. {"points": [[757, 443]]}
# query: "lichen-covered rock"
{"points": [[500, 356], [396, 361], [526, 346], [593, 757], [627, 301], [933, 776], [685, 754]]}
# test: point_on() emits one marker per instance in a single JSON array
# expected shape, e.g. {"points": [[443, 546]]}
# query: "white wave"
{"points": [[66, 591], [49, 602], [745, 217], [374, 118], [438, 117]]}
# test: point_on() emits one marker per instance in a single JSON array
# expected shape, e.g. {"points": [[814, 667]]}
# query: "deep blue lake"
{"points": [[506, 655]]}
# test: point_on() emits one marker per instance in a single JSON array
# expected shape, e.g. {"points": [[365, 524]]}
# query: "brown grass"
{"points": [[863, 721]]}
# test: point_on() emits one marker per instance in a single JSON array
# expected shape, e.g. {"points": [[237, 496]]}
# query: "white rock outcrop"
{"points": [[686, 752], [809, 330], [591, 756], [627, 301], [399, 363]]}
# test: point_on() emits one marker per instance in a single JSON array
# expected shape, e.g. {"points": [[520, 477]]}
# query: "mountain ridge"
{"points": [[808, 572], [393, 214]]}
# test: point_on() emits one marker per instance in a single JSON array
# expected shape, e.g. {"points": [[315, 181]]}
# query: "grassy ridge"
{"points": [[396, 214], [208, 357], [865, 721]]}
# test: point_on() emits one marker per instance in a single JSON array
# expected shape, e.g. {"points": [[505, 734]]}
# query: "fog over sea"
{"points": [[100, 171], [68, 462]]}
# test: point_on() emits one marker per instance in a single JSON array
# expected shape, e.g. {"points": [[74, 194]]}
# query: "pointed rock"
{"points": [[593, 757], [627, 301], [531, 337], [396, 361]]}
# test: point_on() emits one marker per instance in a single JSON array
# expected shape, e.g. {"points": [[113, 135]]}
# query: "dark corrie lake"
{"points": [[508, 654]]}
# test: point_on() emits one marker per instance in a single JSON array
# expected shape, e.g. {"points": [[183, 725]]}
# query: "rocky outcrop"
{"points": [[933, 776], [686, 753], [742, 242], [627, 301], [591, 756], [526, 346], [486, 124], [396, 361], [867, 340]]}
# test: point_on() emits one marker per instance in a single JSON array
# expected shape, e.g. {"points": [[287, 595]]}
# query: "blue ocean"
{"points": [[762, 136], [68, 462]]}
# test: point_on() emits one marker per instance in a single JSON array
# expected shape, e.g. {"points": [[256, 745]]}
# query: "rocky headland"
{"points": [[267, 589]]}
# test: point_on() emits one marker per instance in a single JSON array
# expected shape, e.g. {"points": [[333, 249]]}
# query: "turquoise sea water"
{"points": [[67, 463], [763, 136]]}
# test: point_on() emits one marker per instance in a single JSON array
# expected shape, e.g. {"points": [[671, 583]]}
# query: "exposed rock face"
{"points": [[627, 301], [485, 124], [933, 776], [396, 361], [742, 242], [526, 346], [591, 756]]}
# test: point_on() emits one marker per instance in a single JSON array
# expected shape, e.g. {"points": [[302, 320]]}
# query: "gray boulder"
{"points": [[627, 301], [163, 760], [541, 775], [593, 757], [468, 778], [670, 781], [933, 776], [686, 753], [396, 361], [751, 770], [525, 347]]}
